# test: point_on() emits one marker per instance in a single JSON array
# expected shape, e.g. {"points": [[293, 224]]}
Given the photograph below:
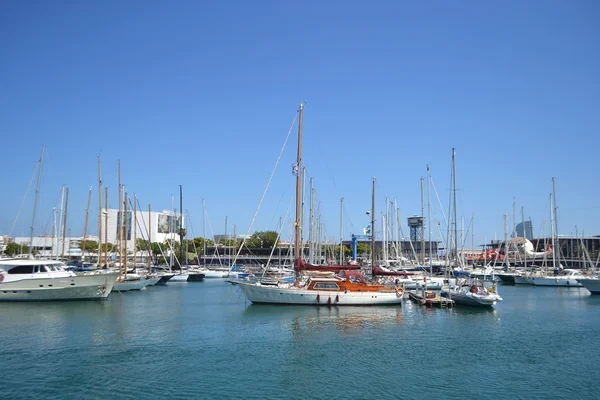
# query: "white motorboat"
{"points": [[566, 278], [132, 282], [472, 293], [590, 283], [38, 280]]}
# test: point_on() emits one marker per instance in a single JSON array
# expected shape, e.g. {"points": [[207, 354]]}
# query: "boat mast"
{"points": [[134, 230], [341, 229], [87, 213], [105, 226], [454, 204], [429, 221], [37, 194], [180, 225], [555, 217], [149, 239], [120, 218], [422, 222], [65, 222], [203, 233], [126, 234], [552, 232], [373, 226], [298, 166], [99, 212]]}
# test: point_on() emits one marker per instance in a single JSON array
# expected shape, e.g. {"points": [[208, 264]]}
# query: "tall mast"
{"points": [[180, 225], [341, 229], [120, 217], [373, 226], [60, 218], [37, 193], [203, 233], [454, 203], [149, 239], [552, 231], [422, 222], [105, 226], [87, 213], [99, 212], [555, 217], [126, 233], [429, 220], [65, 222], [506, 240], [134, 229], [297, 242]]}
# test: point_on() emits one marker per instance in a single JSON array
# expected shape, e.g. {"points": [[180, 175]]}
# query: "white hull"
{"points": [[591, 284], [179, 278], [522, 280], [214, 274], [257, 293], [555, 281], [153, 280], [133, 284], [80, 287], [472, 299]]}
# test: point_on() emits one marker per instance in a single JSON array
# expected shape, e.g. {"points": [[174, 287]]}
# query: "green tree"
{"points": [[199, 243], [264, 239], [91, 246], [107, 247], [363, 248], [13, 249]]}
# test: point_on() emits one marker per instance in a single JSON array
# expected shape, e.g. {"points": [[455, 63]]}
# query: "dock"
{"points": [[430, 299]]}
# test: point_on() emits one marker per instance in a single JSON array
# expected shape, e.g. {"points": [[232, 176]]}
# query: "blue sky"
{"points": [[202, 94]]}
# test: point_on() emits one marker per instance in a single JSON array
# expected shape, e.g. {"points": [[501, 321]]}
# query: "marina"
{"points": [[207, 329], [382, 201]]}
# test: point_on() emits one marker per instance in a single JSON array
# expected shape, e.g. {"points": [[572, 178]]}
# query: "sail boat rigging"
{"points": [[347, 287]]}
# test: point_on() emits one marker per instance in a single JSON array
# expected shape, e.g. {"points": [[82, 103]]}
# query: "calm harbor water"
{"points": [[201, 340]]}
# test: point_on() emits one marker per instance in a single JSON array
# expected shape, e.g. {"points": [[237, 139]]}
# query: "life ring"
{"points": [[391, 279], [399, 291], [1, 277]]}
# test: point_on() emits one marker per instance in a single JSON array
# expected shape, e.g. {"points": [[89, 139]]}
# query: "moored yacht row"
{"points": [[25, 279]]}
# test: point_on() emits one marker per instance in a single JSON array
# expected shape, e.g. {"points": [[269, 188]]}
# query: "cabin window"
{"points": [[36, 269], [43, 268], [326, 286], [21, 269]]}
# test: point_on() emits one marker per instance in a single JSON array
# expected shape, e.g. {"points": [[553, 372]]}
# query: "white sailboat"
{"points": [[341, 286], [469, 291]]}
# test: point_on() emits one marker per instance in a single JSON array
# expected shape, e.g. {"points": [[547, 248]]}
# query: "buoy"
{"points": [[319, 298], [337, 298]]}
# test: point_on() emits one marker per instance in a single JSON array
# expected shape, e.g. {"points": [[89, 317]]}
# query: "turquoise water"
{"points": [[201, 340]]}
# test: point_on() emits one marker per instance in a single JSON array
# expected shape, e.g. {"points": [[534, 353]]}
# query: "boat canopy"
{"points": [[300, 265], [382, 272]]}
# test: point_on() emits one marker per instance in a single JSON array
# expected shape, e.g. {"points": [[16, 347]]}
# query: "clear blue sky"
{"points": [[202, 94]]}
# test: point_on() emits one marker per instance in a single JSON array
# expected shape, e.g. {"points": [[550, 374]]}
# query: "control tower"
{"points": [[415, 224]]}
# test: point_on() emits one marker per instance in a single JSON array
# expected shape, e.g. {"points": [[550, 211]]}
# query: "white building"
{"points": [[50, 246], [154, 225]]}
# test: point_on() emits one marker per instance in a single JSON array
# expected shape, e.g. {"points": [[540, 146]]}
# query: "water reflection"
{"points": [[314, 318]]}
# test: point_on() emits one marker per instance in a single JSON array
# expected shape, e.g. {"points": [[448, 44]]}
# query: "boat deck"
{"points": [[435, 301]]}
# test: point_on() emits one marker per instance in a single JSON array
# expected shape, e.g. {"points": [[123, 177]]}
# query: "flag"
{"points": [[295, 169]]}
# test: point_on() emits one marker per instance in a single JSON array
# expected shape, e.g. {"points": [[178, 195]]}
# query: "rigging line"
{"points": [[279, 234], [23, 201], [266, 188], [212, 234]]}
